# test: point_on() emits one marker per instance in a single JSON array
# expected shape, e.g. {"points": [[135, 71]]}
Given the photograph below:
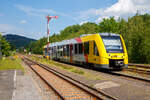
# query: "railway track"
{"points": [[139, 68], [120, 74], [64, 86], [140, 71], [135, 70], [140, 65]]}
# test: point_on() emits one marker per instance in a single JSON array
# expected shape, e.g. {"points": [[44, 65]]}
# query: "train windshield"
{"points": [[113, 44]]}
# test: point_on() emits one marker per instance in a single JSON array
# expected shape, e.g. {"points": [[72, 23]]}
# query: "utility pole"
{"points": [[48, 30]]}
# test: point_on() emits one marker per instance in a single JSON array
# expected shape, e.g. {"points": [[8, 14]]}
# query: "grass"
{"points": [[12, 62], [69, 68], [78, 71], [62, 66]]}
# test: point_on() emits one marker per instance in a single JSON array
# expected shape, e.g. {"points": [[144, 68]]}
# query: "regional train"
{"points": [[102, 50]]}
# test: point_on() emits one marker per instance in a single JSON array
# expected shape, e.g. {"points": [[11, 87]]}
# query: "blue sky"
{"points": [[28, 17]]}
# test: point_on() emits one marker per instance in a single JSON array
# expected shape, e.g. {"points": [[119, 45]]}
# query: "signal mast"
{"points": [[48, 30]]}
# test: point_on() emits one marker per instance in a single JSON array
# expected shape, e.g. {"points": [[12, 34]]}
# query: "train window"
{"points": [[67, 50], [86, 48], [95, 49], [80, 48], [58, 47], [63, 51], [54, 49], [76, 48]]}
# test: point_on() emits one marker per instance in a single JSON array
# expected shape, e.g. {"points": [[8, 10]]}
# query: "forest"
{"points": [[135, 31]]}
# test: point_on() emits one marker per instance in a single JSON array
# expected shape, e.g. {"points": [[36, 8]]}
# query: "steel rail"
{"points": [[140, 65], [29, 64], [88, 89], [130, 76], [136, 70]]}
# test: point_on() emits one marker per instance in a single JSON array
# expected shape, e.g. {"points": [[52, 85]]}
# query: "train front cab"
{"points": [[119, 60], [114, 53], [101, 57]]}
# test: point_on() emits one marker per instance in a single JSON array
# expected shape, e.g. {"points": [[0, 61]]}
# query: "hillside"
{"points": [[18, 41]]}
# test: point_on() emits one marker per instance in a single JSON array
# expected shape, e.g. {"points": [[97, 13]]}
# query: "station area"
{"points": [[16, 85], [75, 50]]}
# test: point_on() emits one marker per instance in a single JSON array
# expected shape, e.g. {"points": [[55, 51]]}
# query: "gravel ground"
{"points": [[69, 91], [119, 87], [44, 90]]}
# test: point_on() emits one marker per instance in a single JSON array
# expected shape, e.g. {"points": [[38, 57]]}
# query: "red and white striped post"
{"points": [[48, 30]]}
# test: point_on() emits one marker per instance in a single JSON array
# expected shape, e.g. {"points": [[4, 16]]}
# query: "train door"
{"points": [[95, 54], [71, 50], [86, 51], [90, 56]]}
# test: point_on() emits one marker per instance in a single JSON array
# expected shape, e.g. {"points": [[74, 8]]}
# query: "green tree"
{"points": [[133, 33], [36, 47], [5, 46], [90, 28], [109, 25]]}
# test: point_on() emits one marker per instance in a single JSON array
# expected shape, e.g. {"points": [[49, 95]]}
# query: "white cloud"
{"points": [[37, 12], [23, 21], [85, 15], [58, 32], [101, 19], [27, 9], [127, 7], [105, 17], [122, 8], [21, 34], [8, 28], [83, 22], [39, 33]]}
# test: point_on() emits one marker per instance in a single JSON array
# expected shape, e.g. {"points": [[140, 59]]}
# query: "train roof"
{"points": [[65, 42], [109, 34], [78, 40], [101, 34]]}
